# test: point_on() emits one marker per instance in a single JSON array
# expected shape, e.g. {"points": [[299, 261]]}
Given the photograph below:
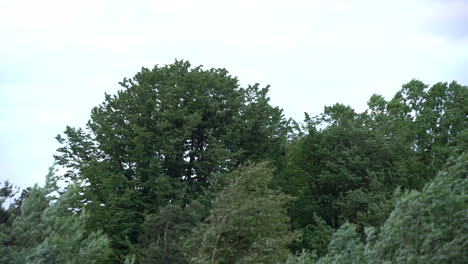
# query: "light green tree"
{"points": [[163, 233], [248, 222], [49, 230], [429, 226]]}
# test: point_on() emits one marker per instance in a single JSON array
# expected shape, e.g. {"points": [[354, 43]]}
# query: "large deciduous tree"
{"points": [[161, 137]]}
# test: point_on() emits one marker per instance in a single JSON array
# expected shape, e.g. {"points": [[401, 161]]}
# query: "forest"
{"points": [[184, 165]]}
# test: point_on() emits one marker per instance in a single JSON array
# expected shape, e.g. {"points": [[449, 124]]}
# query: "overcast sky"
{"points": [[58, 57]]}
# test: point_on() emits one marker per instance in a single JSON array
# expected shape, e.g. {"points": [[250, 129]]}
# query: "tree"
{"points": [[6, 217], [6, 192], [163, 233], [248, 222], [437, 232], [342, 172], [161, 138], [345, 247], [427, 121], [345, 166], [49, 230], [315, 237], [425, 227]]}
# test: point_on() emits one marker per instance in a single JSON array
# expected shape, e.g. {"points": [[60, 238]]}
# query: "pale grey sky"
{"points": [[58, 57]]}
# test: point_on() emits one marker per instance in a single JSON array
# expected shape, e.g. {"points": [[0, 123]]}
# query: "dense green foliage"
{"points": [[425, 227], [50, 230], [247, 224], [345, 166], [438, 230], [159, 140], [183, 165], [164, 233]]}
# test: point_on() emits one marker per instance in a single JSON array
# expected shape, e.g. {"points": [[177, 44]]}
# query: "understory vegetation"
{"points": [[183, 165]]}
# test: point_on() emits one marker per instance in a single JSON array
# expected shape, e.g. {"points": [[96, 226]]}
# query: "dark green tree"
{"points": [[7, 192], [344, 166], [424, 124], [342, 172], [159, 140]]}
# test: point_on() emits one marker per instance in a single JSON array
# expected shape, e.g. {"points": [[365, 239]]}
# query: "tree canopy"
{"points": [[425, 227], [159, 140], [247, 224], [49, 229], [183, 165]]}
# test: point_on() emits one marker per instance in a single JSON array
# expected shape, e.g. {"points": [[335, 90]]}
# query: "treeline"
{"points": [[183, 165]]}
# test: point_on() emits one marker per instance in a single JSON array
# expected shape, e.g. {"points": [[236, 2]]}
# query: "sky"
{"points": [[58, 57]]}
